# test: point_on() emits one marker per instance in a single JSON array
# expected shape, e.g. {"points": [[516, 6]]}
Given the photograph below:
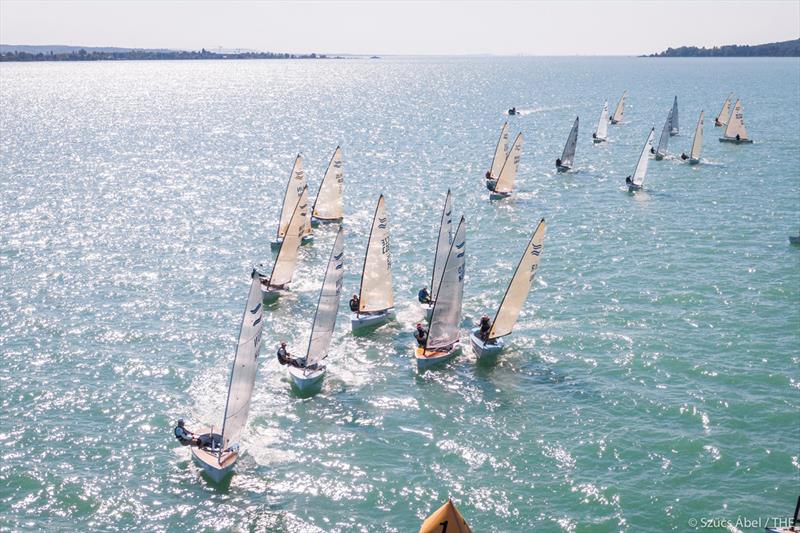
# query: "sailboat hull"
{"points": [[634, 188], [317, 221], [490, 184], [597, 140], [306, 380], [364, 322], [562, 168], [432, 359], [484, 350], [694, 161], [277, 243], [718, 124], [615, 121], [659, 157], [217, 468], [270, 295], [794, 240], [734, 141], [499, 195]]}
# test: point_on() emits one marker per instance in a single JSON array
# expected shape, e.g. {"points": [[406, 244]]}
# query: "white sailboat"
{"points": [[375, 299], [616, 118], [724, 113], [735, 132], [310, 376], [329, 205], [508, 174], [663, 141], [276, 283], [601, 133], [697, 143], [673, 128], [218, 457], [498, 159], [442, 341], [635, 180], [443, 242], [513, 300], [297, 182], [564, 163]]}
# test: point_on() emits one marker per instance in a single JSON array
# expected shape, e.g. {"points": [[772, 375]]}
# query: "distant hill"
{"points": [[781, 49]]}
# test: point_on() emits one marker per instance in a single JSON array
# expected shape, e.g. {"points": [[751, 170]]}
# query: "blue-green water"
{"points": [[652, 379]]}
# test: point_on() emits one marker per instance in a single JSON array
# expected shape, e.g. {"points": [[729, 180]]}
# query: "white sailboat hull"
{"points": [[317, 221], [485, 350], [362, 322], [217, 468], [306, 380], [432, 359]]}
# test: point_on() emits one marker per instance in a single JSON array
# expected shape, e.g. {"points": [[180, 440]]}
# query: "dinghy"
{"points": [[375, 300], [442, 341], [673, 127], [443, 242], [276, 283], [499, 158], [601, 133], [508, 174], [792, 526], [794, 239], [445, 519], [513, 299], [309, 377], [697, 143], [663, 141], [635, 180], [616, 118], [297, 182], [568, 155], [328, 206], [217, 458], [722, 118], [735, 131]]}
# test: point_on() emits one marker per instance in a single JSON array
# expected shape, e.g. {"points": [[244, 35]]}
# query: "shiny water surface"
{"points": [[651, 380]]}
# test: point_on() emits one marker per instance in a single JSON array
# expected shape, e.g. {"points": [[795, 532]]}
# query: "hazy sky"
{"points": [[437, 27]]}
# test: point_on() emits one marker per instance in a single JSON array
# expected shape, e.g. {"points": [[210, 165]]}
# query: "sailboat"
{"points": [[375, 300], [443, 242], [601, 133], [445, 518], [498, 159], [297, 182], [735, 131], [635, 180], [568, 155], [722, 118], [663, 141], [513, 300], [275, 284], [218, 457], [673, 127], [310, 376], [442, 341], [508, 174], [792, 526], [616, 118], [697, 143], [328, 206]]}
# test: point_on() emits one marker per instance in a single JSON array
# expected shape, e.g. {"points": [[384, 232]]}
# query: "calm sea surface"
{"points": [[652, 378]]}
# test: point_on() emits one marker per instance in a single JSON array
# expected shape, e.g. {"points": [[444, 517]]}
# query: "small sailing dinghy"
{"points": [[309, 376], [443, 242], [564, 163], [601, 133], [792, 526], [513, 299], [375, 299], [735, 132], [616, 118], [722, 118], [276, 283], [297, 182], [218, 457], [663, 141], [445, 519], [499, 158], [697, 143], [328, 206], [673, 127], [635, 180], [508, 174], [442, 340]]}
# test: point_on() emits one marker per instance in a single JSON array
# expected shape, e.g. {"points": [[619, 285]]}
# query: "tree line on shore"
{"points": [[84, 55], [781, 49]]}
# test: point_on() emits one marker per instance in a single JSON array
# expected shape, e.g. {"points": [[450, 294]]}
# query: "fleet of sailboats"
{"points": [[601, 133], [443, 242], [375, 299], [663, 141], [329, 203], [673, 126], [564, 163], [636, 180], [697, 143], [724, 113], [616, 118], [276, 283], [508, 174], [735, 132], [297, 182]]}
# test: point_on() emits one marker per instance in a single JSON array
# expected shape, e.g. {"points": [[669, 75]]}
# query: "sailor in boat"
{"points": [[512, 111], [738, 138], [628, 181], [558, 162], [594, 135], [184, 436], [684, 156], [354, 301], [285, 358], [421, 335], [424, 296], [486, 325]]}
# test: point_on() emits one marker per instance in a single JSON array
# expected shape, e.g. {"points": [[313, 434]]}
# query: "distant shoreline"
{"points": [[779, 49], [82, 54]]}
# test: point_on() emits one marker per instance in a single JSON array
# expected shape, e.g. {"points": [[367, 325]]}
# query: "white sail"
{"points": [[245, 364], [674, 123], [443, 243], [620, 110], [736, 123], [508, 174], [725, 112], [329, 204], [297, 182], [286, 262], [500, 152], [446, 316], [568, 155], [697, 144], [376, 278], [520, 286], [641, 166], [328, 305], [663, 141], [602, 125]]}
